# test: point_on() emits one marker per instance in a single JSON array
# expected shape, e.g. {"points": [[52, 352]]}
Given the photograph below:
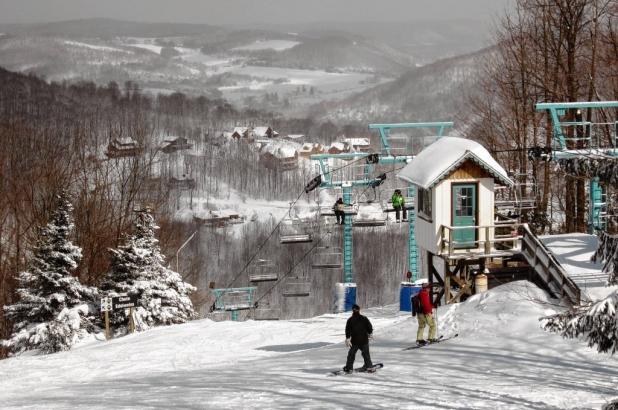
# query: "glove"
{"points": [[348, 342]]}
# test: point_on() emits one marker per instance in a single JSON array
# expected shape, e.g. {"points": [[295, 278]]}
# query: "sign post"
{"points": [[106, 306], [118, 302], [124, 302]]}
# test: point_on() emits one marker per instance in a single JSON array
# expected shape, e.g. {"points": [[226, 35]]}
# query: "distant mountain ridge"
{"points": [[109, 28], [434, 92]]}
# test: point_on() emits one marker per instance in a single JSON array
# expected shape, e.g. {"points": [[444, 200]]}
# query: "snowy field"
{"points": [[277, 45], [501, 360]]}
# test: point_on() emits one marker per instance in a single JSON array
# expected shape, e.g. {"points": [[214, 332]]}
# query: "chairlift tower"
{"points": [[577, 138], [387, 156]]}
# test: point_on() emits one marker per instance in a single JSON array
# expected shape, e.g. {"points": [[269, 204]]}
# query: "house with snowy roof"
{"points": [[455, 180], [299, 138], [280, 155], [264, 132], [358, 144], [338, 148], [311, 148], [240, 133], [122, 147], [172, 144]]}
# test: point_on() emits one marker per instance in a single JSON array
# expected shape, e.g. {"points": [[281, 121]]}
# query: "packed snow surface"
{"points": [[573, 251], [501, 359]]}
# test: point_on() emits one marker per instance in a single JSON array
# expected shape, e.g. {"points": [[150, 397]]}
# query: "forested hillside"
{"points": [[435, 92]]}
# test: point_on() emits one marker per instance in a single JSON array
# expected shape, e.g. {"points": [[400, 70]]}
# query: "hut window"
{"points": [[424, 202]]}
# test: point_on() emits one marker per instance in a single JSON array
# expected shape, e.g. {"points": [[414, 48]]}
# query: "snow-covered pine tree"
{"points": [[607, 255], [597, 323], [137, 269], [52, 310]]}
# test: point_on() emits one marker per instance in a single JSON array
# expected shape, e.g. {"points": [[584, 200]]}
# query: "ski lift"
{"points": [[370, 214], [296, 287], [399, 143], [408, 201], [264, 270], [327, 258], [512, 202], [294, 230], [328, 210], [234, 298]]}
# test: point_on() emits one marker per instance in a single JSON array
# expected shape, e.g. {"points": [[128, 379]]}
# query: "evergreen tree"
{"points": [[52, 309], [597, 323], [137, 270]]}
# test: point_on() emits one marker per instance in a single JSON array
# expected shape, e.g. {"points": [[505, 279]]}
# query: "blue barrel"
{"points": [[350, 297], [405, 296], [345, 296]]}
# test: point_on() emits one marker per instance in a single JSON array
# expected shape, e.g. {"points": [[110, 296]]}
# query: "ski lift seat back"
{"points": [[294, 230], [296, 288], [328, 258]]}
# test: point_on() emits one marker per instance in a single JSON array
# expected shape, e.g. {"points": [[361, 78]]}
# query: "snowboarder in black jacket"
{"points": [[358, 331]]}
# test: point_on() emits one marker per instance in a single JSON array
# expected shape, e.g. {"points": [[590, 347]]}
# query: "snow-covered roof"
{"points": [[309, 146], [440, 158], [240, 130], [295, 136], [338, 145], [261, 131], [281, 149], [358, 142], [125, 141], [172, 138]]}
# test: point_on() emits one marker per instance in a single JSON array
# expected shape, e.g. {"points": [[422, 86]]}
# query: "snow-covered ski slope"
{"points": [[573, 251], [501, 360]]}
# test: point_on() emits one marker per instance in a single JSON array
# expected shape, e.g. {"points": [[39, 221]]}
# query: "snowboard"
{"points": [[373, 369], [440, 340]]}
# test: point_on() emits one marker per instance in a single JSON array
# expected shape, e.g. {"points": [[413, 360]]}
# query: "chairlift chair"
{"points": [[399, 143], [294, 230], [234, 298], [264, 270], [327, 210], [296, 287], [369, 215], [408, 201], [327, 258]]}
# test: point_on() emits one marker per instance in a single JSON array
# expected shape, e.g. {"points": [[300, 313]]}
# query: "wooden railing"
{"points": [[503, 237], [549, 269]]}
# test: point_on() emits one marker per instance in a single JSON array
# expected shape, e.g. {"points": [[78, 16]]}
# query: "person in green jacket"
{"points": [[399, 204]]}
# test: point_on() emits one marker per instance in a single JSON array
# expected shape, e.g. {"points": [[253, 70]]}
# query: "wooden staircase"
{"points": [[548, 270]]}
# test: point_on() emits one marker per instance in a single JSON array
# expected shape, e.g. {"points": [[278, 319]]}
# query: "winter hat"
{"points": [[355, 307]]}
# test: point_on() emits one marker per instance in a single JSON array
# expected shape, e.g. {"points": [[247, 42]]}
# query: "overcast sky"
{"points": [[248, 11]]}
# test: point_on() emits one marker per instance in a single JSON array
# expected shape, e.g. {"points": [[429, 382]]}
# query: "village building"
{"points": [[172, 144], [122, 147], [358, 144], [338, 148], [264, 132], [182, 183], [280, 156], [299, 138], [311, 148], [241, 133]]}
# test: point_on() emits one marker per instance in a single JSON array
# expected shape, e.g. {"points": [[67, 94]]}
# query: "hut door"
{"points": [[464, 214]]}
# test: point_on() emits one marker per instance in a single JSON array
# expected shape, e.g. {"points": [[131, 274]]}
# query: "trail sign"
{"points": [[124, 302], [106, 304]]}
